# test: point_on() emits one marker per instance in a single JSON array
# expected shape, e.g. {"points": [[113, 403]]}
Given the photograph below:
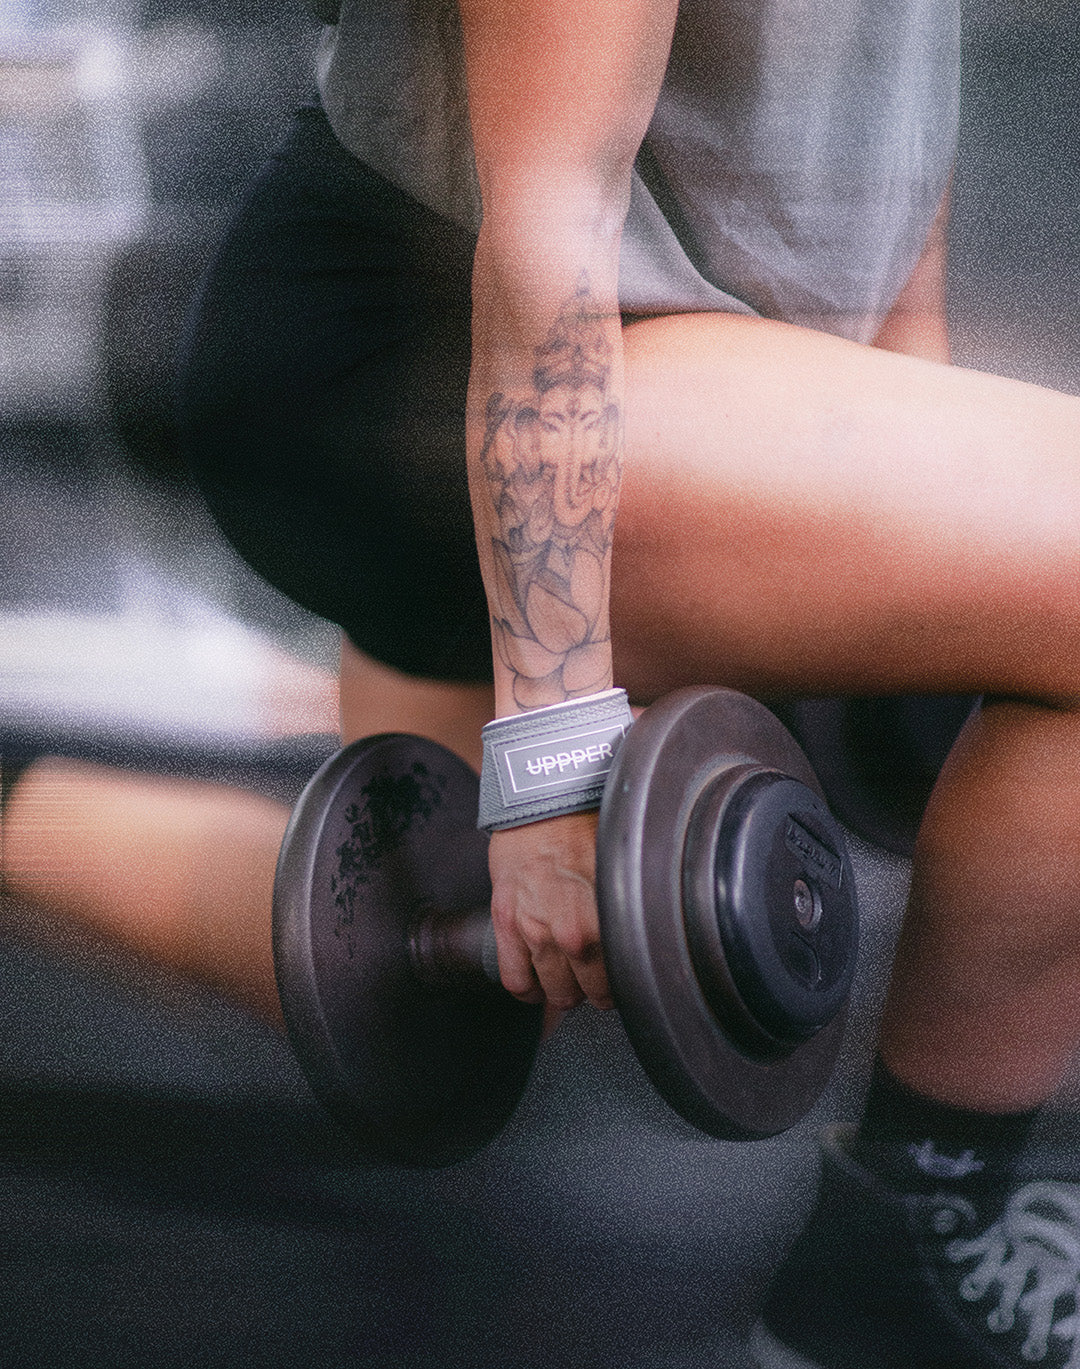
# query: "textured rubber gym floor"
{"points": [[170, 1194]]}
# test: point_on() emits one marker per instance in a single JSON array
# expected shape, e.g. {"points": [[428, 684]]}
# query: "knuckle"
{"points": [[537, 934], [573, 942], [577, 940]]}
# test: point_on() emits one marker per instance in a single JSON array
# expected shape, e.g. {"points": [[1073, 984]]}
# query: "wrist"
{"points": [[551, 761]]}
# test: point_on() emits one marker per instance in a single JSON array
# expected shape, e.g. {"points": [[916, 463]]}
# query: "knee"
{"points": [[377, 698]]}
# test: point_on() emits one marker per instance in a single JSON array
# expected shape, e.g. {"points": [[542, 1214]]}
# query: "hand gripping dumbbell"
{"points": [[728, 921]]}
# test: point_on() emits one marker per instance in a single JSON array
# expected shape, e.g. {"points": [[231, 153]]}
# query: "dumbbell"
{"points": [[728, 919]]}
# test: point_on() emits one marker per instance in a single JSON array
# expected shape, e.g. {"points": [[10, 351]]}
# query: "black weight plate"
{"points": [[674, 751], [778, 852], [383, 832]]}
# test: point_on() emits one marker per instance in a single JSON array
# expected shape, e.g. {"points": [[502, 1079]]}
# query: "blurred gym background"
{"points": [[171, 1194]]}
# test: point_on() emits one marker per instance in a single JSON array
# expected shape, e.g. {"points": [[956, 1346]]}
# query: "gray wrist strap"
{"points": [[550, 761]]}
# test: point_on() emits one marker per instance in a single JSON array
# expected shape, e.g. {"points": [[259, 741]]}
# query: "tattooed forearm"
{"points": [[552, 459]]}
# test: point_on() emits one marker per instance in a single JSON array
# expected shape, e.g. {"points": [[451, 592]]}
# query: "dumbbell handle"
{"points": [[455, 950]]}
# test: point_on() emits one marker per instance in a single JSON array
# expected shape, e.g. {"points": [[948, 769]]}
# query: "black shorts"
{"points": [[323, 405]]}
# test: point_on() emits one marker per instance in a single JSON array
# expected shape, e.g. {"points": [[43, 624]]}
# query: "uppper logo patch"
{"points": [[817, 855], [552, 763]]}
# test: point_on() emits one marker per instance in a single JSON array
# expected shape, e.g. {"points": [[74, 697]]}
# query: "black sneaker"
{"points": [[886, 1280]]}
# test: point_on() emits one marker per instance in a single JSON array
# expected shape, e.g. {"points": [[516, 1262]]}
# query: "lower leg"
{"points": [[983, 1010], [180, 871], [944, 1195]]}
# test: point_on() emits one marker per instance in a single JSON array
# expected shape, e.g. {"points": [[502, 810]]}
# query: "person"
{"points": [[529, 264]]}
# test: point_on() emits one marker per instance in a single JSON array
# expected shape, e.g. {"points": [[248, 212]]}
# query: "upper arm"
{"points": [[561, 93]]}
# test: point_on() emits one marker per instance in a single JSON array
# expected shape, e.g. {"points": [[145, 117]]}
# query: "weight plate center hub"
{"points": [[769, 908]]}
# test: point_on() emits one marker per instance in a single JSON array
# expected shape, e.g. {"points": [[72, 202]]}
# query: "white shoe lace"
{"points": [[1033, 1252]]}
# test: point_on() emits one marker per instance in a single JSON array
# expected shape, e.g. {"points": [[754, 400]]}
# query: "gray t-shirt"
{"points": [[797, 154]]}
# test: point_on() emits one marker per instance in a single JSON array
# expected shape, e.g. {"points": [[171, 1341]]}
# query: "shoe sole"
{"points": [[769, 1353]]}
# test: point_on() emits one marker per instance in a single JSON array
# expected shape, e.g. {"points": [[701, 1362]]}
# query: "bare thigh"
{"points": [[804, 513]]}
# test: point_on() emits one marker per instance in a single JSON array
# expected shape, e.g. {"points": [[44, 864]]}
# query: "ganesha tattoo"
{"points": [[552, 462]]}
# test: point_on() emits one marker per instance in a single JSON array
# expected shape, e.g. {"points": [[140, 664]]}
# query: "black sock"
{"points": [[918, 1145]]}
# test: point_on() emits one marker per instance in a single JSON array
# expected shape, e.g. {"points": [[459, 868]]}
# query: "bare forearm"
{"points": [[545, 468], [560, 95]]}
